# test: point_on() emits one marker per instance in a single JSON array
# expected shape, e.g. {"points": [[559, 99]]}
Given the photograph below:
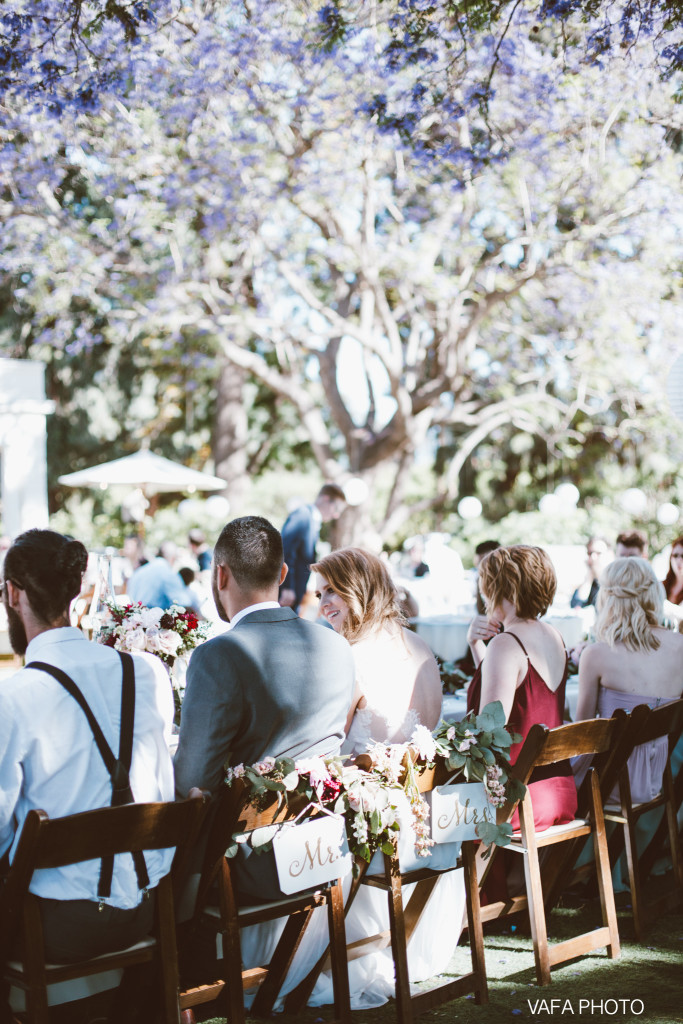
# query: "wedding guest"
{"points": [[200, 549], [273, 685], [398, 685], [597, 555], [49, 759], [300, 535], [634, 661], [524, 666], [673, 582], [632, 544], [157, 584]]}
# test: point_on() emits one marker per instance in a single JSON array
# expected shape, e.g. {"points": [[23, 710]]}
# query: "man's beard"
{"points": [[17, 633]]}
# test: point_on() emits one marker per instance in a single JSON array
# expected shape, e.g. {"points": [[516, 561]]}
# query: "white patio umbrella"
{"points": [[151, 473]]}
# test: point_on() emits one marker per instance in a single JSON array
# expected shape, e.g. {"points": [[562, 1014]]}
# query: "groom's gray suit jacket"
{"points": [[273, 685]]}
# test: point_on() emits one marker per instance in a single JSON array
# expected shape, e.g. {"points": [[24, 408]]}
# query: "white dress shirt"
{"points": [[49, 759], [251, 608]]}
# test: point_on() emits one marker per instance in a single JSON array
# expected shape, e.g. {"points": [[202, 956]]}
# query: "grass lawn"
{"points": [[650, 974]]}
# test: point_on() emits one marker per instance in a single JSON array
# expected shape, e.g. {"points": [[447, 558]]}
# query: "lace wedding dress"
{"points": [[402, 689]]}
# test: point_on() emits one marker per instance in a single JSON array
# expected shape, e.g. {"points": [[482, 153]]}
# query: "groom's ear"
{"points": [[222, 576], [283, 573]]}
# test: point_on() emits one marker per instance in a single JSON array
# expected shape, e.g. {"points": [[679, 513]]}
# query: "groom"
{"points": [[272, 685]]}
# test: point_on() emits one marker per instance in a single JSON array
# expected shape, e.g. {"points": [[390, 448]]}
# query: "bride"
{"points": [[398, 685]]}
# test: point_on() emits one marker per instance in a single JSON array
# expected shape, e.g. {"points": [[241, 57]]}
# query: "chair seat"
{"points": [[17, 965], [254, 908], [616, 808], [554, 830]]}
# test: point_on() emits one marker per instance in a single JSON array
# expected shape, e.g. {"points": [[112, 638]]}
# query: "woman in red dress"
{"points": [[524, 665]]}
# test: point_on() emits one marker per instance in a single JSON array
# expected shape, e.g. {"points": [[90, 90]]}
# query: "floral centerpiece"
{"points": [[169, 633]]}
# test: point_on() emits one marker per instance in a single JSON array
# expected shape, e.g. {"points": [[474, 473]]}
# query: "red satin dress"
{"points": [[552, 789]]}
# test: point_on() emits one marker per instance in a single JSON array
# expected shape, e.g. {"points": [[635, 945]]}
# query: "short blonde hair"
{"points": [[363, 582], [630, 605], [523, 575]]}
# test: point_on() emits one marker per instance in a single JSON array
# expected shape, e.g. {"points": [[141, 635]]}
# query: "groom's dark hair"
{"points": [[251, 547]]}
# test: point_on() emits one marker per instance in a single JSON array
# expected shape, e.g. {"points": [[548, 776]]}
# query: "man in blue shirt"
{"points": [[158, 585], [299, 537]]}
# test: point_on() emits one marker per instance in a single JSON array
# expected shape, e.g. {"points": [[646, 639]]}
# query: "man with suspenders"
{"points": [[81, 727]]}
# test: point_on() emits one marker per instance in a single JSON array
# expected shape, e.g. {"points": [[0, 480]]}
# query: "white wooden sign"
{"points": [[456, 810], [311, 853]]}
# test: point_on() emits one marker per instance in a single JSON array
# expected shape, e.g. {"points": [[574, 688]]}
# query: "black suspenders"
{"points": [[118, 769]]}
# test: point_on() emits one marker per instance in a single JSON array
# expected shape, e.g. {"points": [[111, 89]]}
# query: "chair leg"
{"points": [[404, 1011], [609, 910], [629, 828], [280, 963], [167, 950], [34, 964], [231, 1000], [476, 934], [532, 875], [339, 964]]}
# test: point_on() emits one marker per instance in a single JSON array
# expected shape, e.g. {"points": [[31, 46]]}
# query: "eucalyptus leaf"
{"points": [[291, 781], [232, 850], [261, 836], [492, 717], [490, 834], [501, 737]]}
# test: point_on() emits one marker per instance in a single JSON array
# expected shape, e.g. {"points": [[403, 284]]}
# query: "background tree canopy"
{"points": [[267, 234]]}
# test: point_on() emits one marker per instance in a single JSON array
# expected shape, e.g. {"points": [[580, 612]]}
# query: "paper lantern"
{"points": [[469, 508], [667, 514], [568, 494], [633, 501], [356, 491]]}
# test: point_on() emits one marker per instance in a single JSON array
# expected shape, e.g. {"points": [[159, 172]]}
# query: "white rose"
{"points": [[150, 617], [135, 640], [169, 641]]}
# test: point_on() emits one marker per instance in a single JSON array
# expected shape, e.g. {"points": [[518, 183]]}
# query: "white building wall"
{"points": [[23, 436]]}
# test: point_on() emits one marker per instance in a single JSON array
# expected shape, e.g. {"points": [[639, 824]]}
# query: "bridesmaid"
{"points": [[635, 661]]}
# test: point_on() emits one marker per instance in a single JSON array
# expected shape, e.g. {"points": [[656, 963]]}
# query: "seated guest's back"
{"points": [[398, 685], [272, 685], [48, 756], [524, 666], [635, 661]]}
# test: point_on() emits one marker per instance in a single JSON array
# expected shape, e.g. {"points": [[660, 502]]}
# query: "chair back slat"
{"points": [[591, 737], [666, 720], [111, 830]]}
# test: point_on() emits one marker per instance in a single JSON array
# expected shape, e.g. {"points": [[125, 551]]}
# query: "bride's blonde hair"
{"points": [[630, 605], [363, 582]]}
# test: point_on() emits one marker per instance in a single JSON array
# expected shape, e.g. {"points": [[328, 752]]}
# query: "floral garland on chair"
{"points": [[369, 792]]}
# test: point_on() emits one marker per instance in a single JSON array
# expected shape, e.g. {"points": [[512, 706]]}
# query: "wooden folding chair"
{"points": [[646, 726], [403, 920], [227, 917], [56, 842], [543, 747]]}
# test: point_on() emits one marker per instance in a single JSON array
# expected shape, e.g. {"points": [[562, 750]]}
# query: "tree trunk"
{"points": [[230, 436]]}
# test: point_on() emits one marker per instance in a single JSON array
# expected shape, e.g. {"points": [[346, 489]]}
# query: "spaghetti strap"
{"points": [[515, 637]]}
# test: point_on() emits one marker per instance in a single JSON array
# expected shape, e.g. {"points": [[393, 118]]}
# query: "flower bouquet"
{"points": [[168, 634]]}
